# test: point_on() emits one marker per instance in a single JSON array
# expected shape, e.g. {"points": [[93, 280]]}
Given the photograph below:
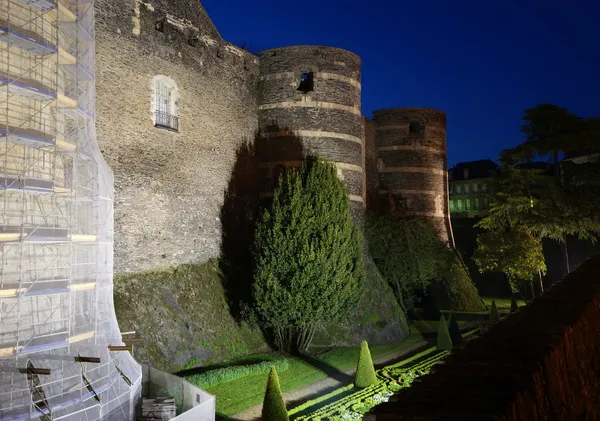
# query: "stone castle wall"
{"points": [[169, 187]]}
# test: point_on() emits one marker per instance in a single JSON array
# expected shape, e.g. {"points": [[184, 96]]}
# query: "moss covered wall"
{"points": [[182, 315], [378, 319]]}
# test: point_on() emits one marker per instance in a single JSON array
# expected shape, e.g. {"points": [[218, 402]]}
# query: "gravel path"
{"points": [[312, 391]]}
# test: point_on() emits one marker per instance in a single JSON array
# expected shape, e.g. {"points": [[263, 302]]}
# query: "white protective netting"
{"points": [[56, 226]]}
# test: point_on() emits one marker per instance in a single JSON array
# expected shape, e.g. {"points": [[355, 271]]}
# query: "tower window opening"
{"points": [[416, 127], [306, 83], [165, 98]]}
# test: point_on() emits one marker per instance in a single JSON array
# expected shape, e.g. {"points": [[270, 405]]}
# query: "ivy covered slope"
{"points": [[378, 319], [182, 315]]}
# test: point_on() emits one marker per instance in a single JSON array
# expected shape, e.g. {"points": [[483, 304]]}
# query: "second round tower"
{"points": [[309, 104], [412, 162]]}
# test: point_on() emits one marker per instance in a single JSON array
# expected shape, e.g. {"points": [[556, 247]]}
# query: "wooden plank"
{"points": [[32, 370], [94, 360], [119, 348]]}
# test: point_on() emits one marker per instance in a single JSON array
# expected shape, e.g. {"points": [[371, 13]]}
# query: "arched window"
{"points": [[165, 103]]}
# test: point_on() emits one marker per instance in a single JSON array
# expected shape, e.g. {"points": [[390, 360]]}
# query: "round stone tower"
{"points": [[412, 162], [309, 104]]}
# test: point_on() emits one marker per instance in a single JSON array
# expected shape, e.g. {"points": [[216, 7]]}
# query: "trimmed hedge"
{"points": [[494, 315], [365, 372], [226, 374], [274, 406], [444, 342]]}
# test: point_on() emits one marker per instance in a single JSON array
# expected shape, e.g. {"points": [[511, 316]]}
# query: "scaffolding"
{"points": [[58, 329]]}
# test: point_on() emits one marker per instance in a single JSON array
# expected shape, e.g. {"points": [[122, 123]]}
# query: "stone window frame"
{"points": [[165, 114]]}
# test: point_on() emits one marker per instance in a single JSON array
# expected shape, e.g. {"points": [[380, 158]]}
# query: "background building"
{"points": [[470, 188]]}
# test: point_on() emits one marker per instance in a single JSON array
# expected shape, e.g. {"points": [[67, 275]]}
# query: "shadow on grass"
{"points": [[245, 361], [331, 372]]}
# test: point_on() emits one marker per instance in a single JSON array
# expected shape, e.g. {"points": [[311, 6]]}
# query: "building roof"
{"points": [[474, 169]]}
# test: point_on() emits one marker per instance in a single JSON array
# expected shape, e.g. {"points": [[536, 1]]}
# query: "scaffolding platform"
{"points": [[77, 71], [26, 40], [34, 288], [43, 5], [27, 137], [75, 30], [34, 234], [28, 88], [73, 111], [33, 185]]}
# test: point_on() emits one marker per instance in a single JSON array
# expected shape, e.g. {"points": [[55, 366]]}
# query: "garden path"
{"points": [[312, 391]]}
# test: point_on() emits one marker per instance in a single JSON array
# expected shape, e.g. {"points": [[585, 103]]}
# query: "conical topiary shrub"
{"points": [[455, 335], [444, 342], [514, 307], [365, 372], [274, 406], [494, 315]]}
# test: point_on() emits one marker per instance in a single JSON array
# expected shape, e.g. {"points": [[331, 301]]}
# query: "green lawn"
{"points": [[240, 394]]}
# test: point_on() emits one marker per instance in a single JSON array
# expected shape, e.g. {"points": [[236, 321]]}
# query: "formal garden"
{"points": [[309, 273]]}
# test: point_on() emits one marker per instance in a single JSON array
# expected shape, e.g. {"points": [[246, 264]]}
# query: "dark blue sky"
{"points": [[482, 62]]}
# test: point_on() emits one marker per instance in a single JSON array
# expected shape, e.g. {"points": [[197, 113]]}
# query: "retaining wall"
{"points": [[540, 364]]}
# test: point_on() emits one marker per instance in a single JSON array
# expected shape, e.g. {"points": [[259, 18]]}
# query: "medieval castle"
{"points": [[175, 102]]}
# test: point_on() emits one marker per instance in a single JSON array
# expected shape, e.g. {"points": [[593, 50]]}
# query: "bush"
{"points": [[454, 330], [444, 342], [514, 307], [308, 254], [365, 372], [494, 315], [274, 406], [226, 374]]}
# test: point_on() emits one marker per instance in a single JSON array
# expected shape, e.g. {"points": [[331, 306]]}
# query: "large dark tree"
{"points": [[408, 253], [516, 254], [308, 257], [568, 203]]}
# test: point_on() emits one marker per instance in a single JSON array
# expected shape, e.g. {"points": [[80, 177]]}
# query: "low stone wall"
{"points": [[540, 364]]}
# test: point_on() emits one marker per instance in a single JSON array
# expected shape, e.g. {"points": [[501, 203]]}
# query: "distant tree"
{"points": [[444, 341], [516, 254], [273, 405], [494, 314], [550, 130], [365, 372], [408, 253], [308, 257], [454, 330]]}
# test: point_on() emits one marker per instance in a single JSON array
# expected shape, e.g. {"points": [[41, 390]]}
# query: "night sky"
{"points": [[481, 64]]}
